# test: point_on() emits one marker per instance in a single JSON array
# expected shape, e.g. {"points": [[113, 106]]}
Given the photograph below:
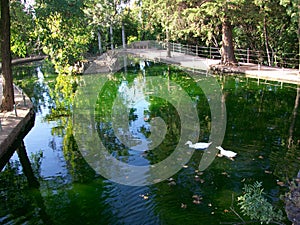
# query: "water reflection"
{"points": [[262, 126], [137, 104]]}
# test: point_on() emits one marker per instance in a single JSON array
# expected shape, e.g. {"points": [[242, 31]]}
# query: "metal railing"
{"points": [[277, 59]]}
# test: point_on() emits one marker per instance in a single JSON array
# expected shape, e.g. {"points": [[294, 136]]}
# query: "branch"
{"points": [[205, 1], [231, 207]]}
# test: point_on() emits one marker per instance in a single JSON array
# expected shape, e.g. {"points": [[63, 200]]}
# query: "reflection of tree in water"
{"points": [[132, 89], [103, 112], [18, 198], [289, 162], [79, 169], [256, 113], [163, 109], [26, 76]]}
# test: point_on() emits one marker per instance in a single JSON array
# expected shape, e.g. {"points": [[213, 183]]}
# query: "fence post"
{"points": [[210, 52], [196, 50], [275, 59], [248, 55], [15, 108], [272, 59]]}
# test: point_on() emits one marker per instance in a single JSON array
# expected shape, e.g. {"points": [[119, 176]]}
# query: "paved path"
{"points": [[14, 127], [186, 61], [193, 63], [196, 63]]}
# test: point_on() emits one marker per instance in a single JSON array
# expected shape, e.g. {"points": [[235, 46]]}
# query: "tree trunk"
{"points": [[294, 116], [27, 169], [99, 41], [266, 40], [299, 34], [8, 89], [168, 43], [227, 51], [111, 37], [123, 36]]}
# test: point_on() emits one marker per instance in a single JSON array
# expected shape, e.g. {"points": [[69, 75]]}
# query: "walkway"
{"points": [[14, 125], [183, 60], [196, 63]]}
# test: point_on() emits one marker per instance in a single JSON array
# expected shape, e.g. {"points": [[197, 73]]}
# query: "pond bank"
{"points": [[16, 124], [251, 70], [194, 63]]}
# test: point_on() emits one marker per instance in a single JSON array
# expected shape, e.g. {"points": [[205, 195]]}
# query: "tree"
{"points": [[227, 50], [293, 11], [268, 26], [23, 41], [163, 14], [106, 14], [8, 89], [182, 18], [209, 19], [63, 31]]}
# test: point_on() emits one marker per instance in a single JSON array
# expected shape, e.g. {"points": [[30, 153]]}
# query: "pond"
{"points": [[83, 152]]}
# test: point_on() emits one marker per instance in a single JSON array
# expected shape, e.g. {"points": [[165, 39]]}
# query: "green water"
{"points": [[262, 126]]}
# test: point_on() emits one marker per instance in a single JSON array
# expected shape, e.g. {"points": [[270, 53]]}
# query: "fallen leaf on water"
{"points": [[172, 183], [197, 202], [197, 197], [280, 183], [183, 206], [145, 197]]}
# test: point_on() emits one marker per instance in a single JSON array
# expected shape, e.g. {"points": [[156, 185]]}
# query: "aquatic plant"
{"points": [[253, 204]]}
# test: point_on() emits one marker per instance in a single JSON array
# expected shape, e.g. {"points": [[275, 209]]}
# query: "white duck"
{"points": [[199, 145], [227, 153]]}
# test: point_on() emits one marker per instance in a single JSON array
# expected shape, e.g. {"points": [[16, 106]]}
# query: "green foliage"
{"points": [[199, 22], [63, 32], [22, 30], [253, 204], [36, 159], [79, 169], [132, 39], [63, 93]]}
